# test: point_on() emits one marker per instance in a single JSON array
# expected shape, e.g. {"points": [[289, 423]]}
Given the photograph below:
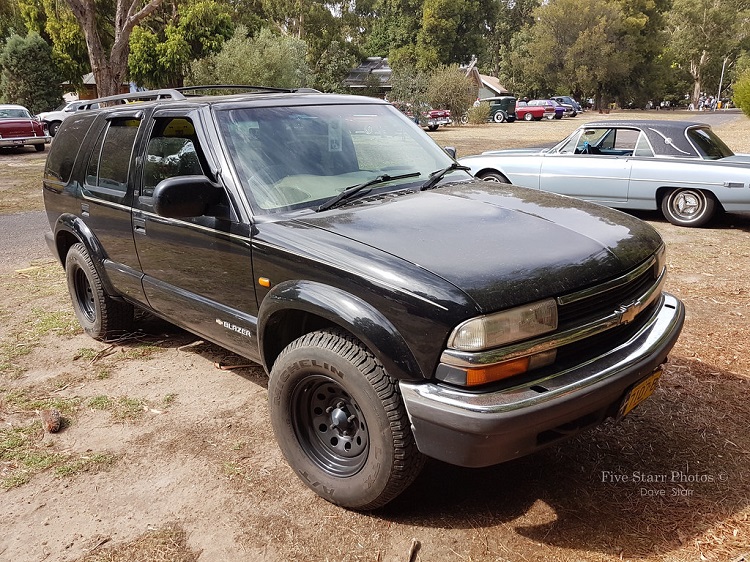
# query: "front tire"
{"points": [[499, 117], [340, 422], [496, 177], [688, 207], [100, 316], [52, 128]]}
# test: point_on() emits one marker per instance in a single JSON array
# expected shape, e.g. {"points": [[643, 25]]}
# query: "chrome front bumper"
{"points": [[484, 428]]}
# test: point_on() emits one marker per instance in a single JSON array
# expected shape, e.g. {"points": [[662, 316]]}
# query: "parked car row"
{"points": [[508, 108]]}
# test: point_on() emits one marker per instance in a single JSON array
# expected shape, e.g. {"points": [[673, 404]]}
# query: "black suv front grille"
{"points": [[602, 304]]}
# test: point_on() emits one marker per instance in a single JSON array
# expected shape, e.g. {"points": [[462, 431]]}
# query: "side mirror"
{"points": [[451, 151], [185, 196]]}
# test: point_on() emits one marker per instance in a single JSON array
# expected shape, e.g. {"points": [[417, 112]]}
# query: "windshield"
{"points": [[708, 145], [302, 156]]}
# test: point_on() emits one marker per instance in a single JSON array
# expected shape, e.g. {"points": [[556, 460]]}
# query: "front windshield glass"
{"points": [[14, 113], [298, 157], [708, 145]]}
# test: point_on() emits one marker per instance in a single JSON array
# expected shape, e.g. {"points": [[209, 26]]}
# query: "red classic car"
{"points": [[552, 109], [19, 128], [528, 112]]}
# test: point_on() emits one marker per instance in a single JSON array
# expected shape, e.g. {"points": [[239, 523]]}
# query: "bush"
{"points": [[741, 96], [479, 114], [30, 76], [449, 88]]}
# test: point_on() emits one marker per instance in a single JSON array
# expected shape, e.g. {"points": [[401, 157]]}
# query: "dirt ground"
{"points": [[166, 451]]}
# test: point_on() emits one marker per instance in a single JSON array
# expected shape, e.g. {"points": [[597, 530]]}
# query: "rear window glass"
{"points": [[708, 145], [64, 150]]}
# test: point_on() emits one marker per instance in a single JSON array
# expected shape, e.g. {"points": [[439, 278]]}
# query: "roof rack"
{"points": [[177, 94], [245, 87], [146, 95]]}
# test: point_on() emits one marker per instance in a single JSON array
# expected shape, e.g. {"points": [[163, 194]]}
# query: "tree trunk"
{"points": [[696, 71], [110, 70]]}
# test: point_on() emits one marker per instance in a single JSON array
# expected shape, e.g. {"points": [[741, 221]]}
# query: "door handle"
{"points": [[139, 225]]}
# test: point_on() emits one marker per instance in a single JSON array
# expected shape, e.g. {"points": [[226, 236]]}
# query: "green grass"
{"points": [[88, 463], [141, 352], [122, 408]]}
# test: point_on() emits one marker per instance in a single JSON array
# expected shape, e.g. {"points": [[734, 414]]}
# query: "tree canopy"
{"points": [[628, 51]]}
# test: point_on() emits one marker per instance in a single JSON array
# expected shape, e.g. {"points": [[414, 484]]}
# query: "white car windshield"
{"points": [[299, 157]]}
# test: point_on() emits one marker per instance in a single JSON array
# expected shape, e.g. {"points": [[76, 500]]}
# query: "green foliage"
{"points": [[409, 86], [332, 67], [267, 60], [479, 114], [741, 96], [449, 88], [160, 58], [30, 76]]}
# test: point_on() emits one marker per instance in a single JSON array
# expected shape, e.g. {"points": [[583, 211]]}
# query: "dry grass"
{"points": [[167, 544]]}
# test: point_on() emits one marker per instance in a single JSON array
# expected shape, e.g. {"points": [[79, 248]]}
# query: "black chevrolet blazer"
{"points": [[401, 308]]}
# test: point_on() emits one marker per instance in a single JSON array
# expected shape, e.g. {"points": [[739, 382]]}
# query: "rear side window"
{"points": [[708, 145], [109, 166], [64, 150]]}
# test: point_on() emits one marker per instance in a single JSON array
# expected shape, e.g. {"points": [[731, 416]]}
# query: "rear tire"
{"points": [[39, 147], [100, 316], [688, 207], [340, 421], [528, 117]]}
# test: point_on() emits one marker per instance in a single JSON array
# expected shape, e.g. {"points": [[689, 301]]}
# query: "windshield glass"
{"points": [[708, 145], [301, 156]]}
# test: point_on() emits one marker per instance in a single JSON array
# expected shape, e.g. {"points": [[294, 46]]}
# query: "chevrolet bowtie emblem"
{"points": [[628, 312]]}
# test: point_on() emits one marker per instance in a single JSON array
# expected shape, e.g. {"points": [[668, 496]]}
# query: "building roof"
{"points": [[377, 67]]}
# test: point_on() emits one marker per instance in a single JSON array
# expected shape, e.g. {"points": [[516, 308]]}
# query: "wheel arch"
{"points": [[487, 170], [71, 230], [664, 190], [295, 308]]}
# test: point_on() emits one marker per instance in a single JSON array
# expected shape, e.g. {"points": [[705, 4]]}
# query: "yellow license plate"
{"points": [[639, 393]]}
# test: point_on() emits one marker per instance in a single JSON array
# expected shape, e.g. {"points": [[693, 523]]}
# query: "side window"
{"points": [[642, 148], [63, 154], [171, 151], [109, 165]]}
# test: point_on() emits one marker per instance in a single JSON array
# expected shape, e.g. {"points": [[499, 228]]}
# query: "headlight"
{"points": [[516, 324]]}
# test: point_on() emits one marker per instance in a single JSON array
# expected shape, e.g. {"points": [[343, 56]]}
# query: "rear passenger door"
{"points": [[106, 196], [197, 270]]}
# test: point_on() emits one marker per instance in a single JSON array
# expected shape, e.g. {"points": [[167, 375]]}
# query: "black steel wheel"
{"points": [[688, 207], [340, 422], [100, 316]]}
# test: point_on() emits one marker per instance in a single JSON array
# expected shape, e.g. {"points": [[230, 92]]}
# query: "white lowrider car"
{"points": [[680, 167]]}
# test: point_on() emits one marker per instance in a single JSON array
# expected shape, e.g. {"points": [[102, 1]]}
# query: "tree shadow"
{"points": [[662, 477]]}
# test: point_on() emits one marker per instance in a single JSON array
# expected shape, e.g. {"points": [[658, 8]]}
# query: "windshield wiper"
{"points": [[349, 192], [437, 175]]}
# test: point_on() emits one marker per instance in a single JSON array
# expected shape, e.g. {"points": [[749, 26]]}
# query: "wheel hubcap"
{"points": [[687, 204], [330, 426]]}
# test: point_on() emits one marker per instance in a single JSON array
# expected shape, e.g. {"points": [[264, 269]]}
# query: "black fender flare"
{"points": [[343, 309], [70, 229]]}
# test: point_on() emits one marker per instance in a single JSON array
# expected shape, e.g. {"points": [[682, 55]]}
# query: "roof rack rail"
{"points": [[146, 95], [259, 89]]}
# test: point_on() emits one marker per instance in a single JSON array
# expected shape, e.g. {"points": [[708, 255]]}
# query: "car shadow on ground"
{"points": [[650, 484], [152, 330]]}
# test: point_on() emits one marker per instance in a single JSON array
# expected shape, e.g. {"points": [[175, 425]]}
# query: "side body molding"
{"points": [[348, 311]]}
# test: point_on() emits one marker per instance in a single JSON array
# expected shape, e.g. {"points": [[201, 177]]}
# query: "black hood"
{"points": [[502, 245]]}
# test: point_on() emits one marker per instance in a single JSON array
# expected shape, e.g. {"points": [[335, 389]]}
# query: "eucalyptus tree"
{"points": [[705, 33], [162, 47]]}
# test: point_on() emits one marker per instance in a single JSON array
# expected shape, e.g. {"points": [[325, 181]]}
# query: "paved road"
{"points": [[23, 239]]}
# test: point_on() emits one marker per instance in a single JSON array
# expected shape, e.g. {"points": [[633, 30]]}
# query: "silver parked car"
{"points": [[682, 168]]}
